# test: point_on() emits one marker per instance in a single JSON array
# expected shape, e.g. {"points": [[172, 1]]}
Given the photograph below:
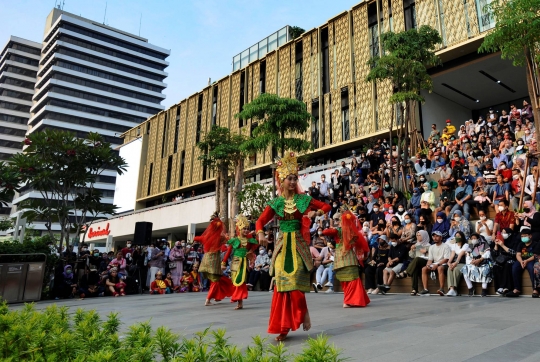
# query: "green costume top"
{"points": [[238, 250]]}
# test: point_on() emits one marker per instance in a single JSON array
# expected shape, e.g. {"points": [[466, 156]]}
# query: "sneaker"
{"points": [[386, 288], [319, 286], [330, 285], [424, 292], [499, 291], [471, 292], [330, 291], [433, 275], [535, 295], [249, 284], [512, 294], [440, 292], [484, 293], [315, 287], [451, 293]]}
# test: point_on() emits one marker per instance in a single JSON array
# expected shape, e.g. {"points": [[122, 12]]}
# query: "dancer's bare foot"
{"points": [[207, 303], [346, 306], [239, 306], [281, 337], [307, 322]]}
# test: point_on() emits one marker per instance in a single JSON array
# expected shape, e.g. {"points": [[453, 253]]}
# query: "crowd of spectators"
{"points": [[483, 170]]}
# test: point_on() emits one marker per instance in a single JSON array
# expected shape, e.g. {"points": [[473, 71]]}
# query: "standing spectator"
{"points": [[344, 173], [156, 263], [336, 184], [314, 191], [434, 134], [324, 189], [525, 261], [127, 250], [526, 111], [438, 256], [176, 258], [365, 166]]}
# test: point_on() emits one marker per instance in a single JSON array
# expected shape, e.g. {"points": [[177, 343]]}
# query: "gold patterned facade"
{"points": [[298, 69]]}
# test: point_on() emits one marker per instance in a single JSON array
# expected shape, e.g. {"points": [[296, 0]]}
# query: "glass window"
{"points": [[282, 36], [272, 42], [254, 53], [236, 62], [486, 20], [244, 58], [263, 47]]}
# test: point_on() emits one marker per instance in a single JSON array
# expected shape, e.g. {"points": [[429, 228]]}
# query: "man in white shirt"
{"points": [[438, 256], [529, 185], [324, 188]]}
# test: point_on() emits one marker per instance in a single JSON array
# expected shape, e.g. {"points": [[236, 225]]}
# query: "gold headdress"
{"points": [[242, 222], [286, 166]]}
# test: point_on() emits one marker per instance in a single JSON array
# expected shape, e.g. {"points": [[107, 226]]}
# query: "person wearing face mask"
{"points": [[394, 226], [503, 252], [463, 198], [396, 258], [400, 214], [156, 263], [442, 225], [388, 190], [376, 265], [260, 270], [65, 284], [484, 226], [525, 259], [409, 231], [530, 218], [325, 271], [478, 264], [459, 247], [459, 223], [376, 215], [504, 218], [176, 262], [128, 250]]}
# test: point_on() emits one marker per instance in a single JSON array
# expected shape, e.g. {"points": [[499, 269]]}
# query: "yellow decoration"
{"points": [[286, 166], [242, 222], [290, 206]]}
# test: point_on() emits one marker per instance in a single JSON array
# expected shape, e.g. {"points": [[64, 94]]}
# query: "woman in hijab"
{"points": [[67, 286], [442, 224], [400, 200], [372, 201], [478, 267], [176, 256], [530, 218]]}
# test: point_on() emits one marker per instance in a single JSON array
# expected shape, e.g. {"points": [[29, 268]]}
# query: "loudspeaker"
{"points": [[143, 233]]}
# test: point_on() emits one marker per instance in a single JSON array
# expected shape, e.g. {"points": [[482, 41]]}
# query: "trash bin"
{"points": [[21, 277]]}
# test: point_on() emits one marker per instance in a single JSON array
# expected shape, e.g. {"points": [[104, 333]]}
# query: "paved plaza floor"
{"points": [[392, 328]]}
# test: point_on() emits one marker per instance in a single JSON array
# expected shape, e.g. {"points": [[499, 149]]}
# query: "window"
{"points": [[15, 94], [373, 30], [199, 120], [19, 83], [82, 121], [298, 71], [272, 42], [21, 71], [15, 106], [409, 10], [315, 123], [13, 119], [440, 6], [169, 173], [13, 131], [254, 53], [244, 58], [242, 94], [214, 105], [176, 129], [262, 78], [345, 132], [263, 48], [164, 138], [182, 162], [282, 36], [325, 66], [148, 128], [236, 62], [150, 179], [26, 49], [486, 20], [24, 60]]}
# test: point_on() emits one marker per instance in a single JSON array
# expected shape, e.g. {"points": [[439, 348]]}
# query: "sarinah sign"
{"points": [[94, 233]]}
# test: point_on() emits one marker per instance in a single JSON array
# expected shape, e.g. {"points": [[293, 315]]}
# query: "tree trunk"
{"points": [[238, 184], [218, 189], [533, 94], [398, 146], [224, 193]]}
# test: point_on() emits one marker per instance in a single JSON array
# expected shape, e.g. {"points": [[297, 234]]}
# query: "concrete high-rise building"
{"points": [[94, 78], [19, 60]]}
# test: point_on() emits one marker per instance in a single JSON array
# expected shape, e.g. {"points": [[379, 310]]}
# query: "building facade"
{"points": [[94, 78], [326, 68], [19, 60]]}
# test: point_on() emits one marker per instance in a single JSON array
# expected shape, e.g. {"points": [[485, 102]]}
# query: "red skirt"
{"points": [[239, 293], [354, 293], [287, 311], [221, 289]]}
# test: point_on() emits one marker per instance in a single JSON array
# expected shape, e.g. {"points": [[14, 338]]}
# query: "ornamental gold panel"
{"points": [[337, 124], [472, 17], [315, 69], [271, 70], [331, 56], [224, 92], [327, 121], [454, 21], [190, 138], [342, 58], [426, 14], [307, 68], [384, 109], [284, 71], [307, 134], [385, 12], [398, 17], [256, 79], [353, 120], [235, 101]]}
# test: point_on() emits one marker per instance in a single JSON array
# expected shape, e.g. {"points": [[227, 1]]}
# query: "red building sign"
{"points": [[94, 233]]}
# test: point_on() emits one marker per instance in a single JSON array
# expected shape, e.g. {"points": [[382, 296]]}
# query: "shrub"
{"points": [[55, 335]]}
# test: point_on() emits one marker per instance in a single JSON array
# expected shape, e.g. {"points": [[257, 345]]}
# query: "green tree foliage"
{"points": [[281, 123], [65, 169], [253, 199], [404, 63], [9, 182], [517, 36], [296, 31], [55, 334]]}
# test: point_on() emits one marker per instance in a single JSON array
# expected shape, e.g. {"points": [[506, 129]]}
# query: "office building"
{"points": [[19, 60]]}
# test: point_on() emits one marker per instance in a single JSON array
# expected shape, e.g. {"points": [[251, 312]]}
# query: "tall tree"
{"points": [[517, 36], [221, 151], [9, 182], [404, 62], [64, 169]]}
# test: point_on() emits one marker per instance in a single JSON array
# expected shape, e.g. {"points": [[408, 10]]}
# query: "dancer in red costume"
{"points": [[351, 249], [291, 261], [212, 240], [241, 247]]}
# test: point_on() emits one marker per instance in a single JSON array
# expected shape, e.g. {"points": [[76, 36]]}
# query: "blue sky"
{"points": [[203, 35]]}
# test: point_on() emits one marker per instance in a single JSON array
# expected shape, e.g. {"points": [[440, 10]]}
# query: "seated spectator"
{"points": [[408, 235], [396, 257], [530, 218], [65, 284], [481, 195], [504, 256], [425, 224], [504, 218], [525, 261], [442, 225], [260, 271], [463, 198], [89, 285], [419, 255], [478, 264], [459, 223], [186, 282], [438, 256], [375, 267], [115, 285], [447, 201], [160, 286], [393, 226], [484, 226], [500, 191], [459, 247], [175, 288], [120, 264]]}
